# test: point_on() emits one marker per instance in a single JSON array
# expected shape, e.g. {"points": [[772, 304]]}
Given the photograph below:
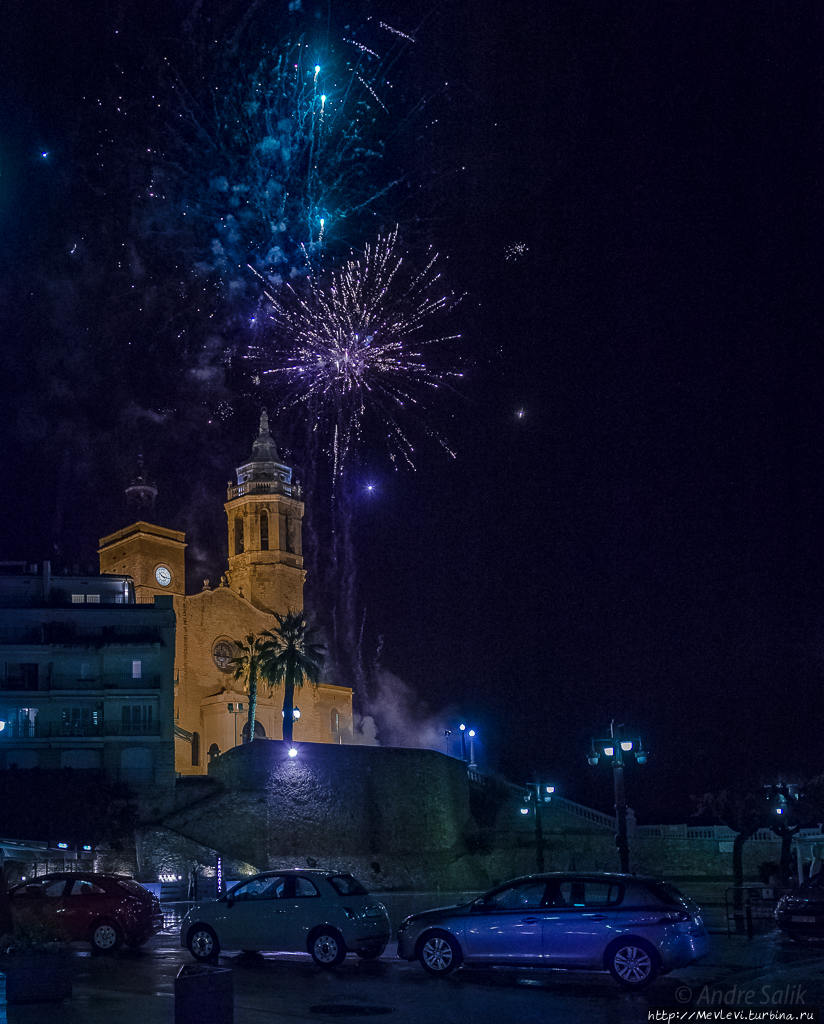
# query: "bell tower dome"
{"points": [[264, 514]]}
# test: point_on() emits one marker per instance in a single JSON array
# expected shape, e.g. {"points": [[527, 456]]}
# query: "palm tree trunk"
{"points": [[252, 702], [288, 710]]}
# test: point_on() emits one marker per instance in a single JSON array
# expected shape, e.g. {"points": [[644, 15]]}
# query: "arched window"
{"points": [[238, 536], [214, 751], [264, 530], [335, 720], [260, 732], [195, 748]]}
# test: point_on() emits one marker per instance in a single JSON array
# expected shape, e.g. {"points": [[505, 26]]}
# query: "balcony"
{"points": [[107, 681], [262, 487], [58, 730], [73, 634], [115, 728]]}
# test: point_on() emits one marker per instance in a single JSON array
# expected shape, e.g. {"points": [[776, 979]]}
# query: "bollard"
{"points": [[204, 995]]}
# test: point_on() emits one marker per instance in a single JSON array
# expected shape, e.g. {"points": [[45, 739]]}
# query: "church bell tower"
{"points": [[265, 513]]}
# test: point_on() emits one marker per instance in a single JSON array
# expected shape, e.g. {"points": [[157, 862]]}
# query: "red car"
{"points": [[105, 910]]}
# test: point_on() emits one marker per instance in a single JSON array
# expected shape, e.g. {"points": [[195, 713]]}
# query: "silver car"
{"points": [[636, 928], [325, 913]]}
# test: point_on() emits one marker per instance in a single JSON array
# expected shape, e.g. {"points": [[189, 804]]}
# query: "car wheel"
{"points": [[372, 953], [633, 963], [202, 942], [439, 953], [327, 947], [106, 936]]}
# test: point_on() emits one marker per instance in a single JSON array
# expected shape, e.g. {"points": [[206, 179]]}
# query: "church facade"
{"points": [[265, 575]]}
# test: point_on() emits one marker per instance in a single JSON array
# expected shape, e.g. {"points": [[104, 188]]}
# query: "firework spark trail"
{"points": [[355, 346]]}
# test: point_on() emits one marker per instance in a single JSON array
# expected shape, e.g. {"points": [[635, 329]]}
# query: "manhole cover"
{"points": [[350, 1010]]}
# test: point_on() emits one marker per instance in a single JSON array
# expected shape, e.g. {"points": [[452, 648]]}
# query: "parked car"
{"points": [[105, 910], [636, 928], [325, 913], [800, 913]]}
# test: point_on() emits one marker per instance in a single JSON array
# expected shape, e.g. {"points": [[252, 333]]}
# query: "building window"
{"points": [[137, 719], [20, 676], [214, 751], [264, 530], [222, 654], [335, 720], [21, 723], [238, 536], [81, 721], [92, 598], [78, 598], [195, 748], [137, 668]]}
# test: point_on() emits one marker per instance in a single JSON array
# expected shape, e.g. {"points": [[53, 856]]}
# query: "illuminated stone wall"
{"points": [[398, 819]]}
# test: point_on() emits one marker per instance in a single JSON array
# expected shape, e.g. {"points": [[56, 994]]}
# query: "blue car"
{"points": [[635, 928]]}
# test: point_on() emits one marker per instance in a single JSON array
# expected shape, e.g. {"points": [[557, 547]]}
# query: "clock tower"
{"points": [[151, 555], [265, 514]]}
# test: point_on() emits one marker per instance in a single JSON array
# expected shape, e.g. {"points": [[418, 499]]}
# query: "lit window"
{"points": [[92, 598], [136, 669], [335, 720], [78, 598]]}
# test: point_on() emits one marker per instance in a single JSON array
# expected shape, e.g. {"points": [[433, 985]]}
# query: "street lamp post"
{"points": [[235, 710], [472, 749], [615, 748], [462, 727], [542, 794], [446, 734]]}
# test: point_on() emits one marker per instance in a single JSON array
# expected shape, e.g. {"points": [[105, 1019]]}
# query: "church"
{"points": [[265, 575]]}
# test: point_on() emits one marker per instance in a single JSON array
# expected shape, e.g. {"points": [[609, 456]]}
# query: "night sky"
{"points": [[629, 199]]}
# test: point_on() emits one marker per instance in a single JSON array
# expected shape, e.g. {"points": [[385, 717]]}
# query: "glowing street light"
{"points": [[292, 752], [541, 794], [462, 727], [614, 748], [472, 749]]}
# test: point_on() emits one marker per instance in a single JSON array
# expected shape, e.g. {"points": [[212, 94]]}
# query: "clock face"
{"points": [[163, 576]]}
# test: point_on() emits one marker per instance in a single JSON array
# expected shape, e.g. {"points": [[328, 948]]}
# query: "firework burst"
{"points": [[361, 343]]}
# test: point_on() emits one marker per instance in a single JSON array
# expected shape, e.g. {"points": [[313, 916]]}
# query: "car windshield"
{"points": [[346, 885]]}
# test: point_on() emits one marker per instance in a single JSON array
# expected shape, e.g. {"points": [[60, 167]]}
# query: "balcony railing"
{"points": [[50, 730], [70, 634], [106, 681], [263, 487], [133, 729]]}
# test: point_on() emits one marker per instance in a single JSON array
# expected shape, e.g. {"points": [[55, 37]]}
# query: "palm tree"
{"points": [[294, 655], [249, 667]]}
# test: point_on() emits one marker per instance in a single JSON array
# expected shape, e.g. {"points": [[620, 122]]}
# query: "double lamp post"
{"points": [[615, 749]]}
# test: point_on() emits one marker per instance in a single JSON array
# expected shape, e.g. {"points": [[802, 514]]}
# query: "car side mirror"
{"points": [[479, 907]]}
